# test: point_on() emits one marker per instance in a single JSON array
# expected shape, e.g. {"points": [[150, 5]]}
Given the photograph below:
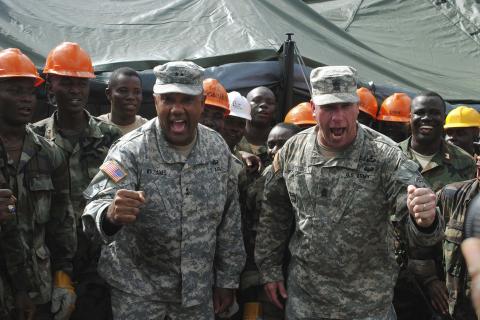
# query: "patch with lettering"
{"points": [[157, 172], [113, 170]]}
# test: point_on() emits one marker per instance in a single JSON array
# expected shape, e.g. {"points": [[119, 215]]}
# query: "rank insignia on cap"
{"points": [[112, 169]]}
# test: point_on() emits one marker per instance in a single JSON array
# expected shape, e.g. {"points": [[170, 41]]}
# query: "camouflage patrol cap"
{"points": [[180, 77], [334, 84]]}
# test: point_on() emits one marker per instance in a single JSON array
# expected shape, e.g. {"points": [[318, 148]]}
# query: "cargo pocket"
{"points": [[42, 275], [42, 188], [451, 250]]}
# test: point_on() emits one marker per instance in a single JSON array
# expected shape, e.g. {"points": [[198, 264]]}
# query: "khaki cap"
{"points": [[179, 77], [334, 84]]}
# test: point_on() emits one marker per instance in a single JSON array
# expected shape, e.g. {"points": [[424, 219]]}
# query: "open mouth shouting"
{"points": [[337, 132], [178, 126]]}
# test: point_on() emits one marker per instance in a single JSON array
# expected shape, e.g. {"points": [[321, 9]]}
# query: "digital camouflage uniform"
{"points": [[450, 164], [453, 202], [343, 264], [44, 213], [187, 237], [83, 160]]}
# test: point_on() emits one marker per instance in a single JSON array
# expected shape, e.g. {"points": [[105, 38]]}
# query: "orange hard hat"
{"points": [[68, 59], [13, 63], [395, 108], [367, 103], [216, 95], [300, 114]]}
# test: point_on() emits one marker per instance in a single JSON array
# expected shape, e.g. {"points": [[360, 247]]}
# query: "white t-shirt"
{"points": [[422, 159], [139, 121]]}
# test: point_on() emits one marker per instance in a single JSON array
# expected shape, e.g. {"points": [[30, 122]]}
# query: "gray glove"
{"points": [[63, 303]]}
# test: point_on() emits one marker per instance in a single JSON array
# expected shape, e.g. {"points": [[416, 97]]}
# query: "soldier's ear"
{"points": [[108, 93], [312, 106]]}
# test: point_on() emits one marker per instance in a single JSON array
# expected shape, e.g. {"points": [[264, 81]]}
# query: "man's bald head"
{"points": [[264, 104], [264, 91]]}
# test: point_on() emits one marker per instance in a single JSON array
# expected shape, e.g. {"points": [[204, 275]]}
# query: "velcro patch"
{"points": [[113, 170]]}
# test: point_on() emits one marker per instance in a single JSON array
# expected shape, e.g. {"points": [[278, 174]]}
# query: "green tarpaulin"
{"points": [[438, 40], [143, 33]]}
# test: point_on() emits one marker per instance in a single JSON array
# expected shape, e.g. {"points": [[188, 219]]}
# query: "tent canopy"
{"points": [[144, 33], [439, 40]]}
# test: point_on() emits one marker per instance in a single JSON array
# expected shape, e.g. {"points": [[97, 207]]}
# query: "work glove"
{"points": [[63, 296]]}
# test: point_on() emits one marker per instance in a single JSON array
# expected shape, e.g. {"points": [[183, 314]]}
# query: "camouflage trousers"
{"points": [[127, 306], [300, 307]]}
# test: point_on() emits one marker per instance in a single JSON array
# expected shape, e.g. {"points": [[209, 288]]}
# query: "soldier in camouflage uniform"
{"points": [[251, 286], [85, 141], [441, 163], [34, 171], [166, 204], [14, 283], [453, 202], [335, 182], [264, 104]]}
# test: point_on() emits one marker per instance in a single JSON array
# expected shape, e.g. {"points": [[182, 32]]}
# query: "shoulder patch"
{"points": [[113, 170]]}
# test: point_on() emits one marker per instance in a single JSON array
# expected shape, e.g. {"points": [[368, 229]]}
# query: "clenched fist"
{"points": [[7, 204], [421, 203], [125, 207]]}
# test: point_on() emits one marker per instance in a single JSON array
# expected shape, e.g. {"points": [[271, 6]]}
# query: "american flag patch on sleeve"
{"points": [[112, 169]]}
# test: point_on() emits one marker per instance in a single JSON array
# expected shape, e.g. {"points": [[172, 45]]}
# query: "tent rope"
{"points": [[302, 67]]}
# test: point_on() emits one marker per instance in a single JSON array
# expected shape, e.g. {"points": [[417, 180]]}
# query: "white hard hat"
{"points": [[239, 105]]}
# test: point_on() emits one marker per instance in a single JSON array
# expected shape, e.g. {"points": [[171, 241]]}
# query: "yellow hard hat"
{"points": [[462, 117]]}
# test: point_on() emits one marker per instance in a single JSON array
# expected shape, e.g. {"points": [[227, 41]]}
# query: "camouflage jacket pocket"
{"points": [[41, 274], [41, 188], [451, 249]]}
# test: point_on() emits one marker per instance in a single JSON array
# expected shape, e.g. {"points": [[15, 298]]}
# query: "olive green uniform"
{"points": [[44, 214], [84, 158]]}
